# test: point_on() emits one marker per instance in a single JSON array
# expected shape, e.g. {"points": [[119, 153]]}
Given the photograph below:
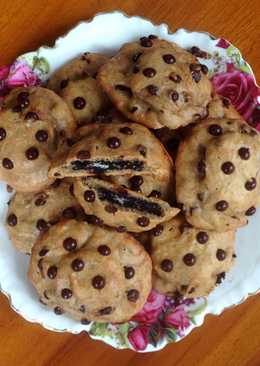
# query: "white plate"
{"points": [[105, 33]]}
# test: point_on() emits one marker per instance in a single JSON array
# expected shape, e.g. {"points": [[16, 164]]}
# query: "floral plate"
{"points": [[162, 320]]}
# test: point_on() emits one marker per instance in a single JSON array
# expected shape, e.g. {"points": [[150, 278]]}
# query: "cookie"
{"points": [[35, 125], [189, 261], [157, 83], [217, 180], [30, 214], [220, 107], [76, 83], [114, 149], [120, 207], [90, 273]]}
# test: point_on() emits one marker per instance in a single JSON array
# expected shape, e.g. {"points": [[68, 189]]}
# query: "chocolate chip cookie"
{"points": [[114, 149], [35, 124], [217, 180], [157, 83], [120, 207], [190, 261], [90, 273], [76, 83], [30, 214]]}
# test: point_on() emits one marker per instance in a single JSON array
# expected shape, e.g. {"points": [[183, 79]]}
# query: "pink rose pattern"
{"points": [[18, 74], [161, 314]]}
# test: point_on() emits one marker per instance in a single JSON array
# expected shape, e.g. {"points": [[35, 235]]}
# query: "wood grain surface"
{"points": [[232, 339]]}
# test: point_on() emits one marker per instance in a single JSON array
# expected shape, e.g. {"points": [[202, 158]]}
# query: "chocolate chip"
{"points": [[2, 134], [167, 265], [126, 130], [7, 163], [244, 153], [89, 196], [64, 83], [79, 103], [132, 295], [58, 310], [41, 135], [32, 153], [226, 102], [143, 221], [83, 154], [152, 89], [94, 220], [56, 183], [221, 205], [251, 211], [39, 264], [45, 295], [195, 67], [22, 96], [146, 42], [202, 237], [104, 250], [129, 272], [121, 229], [157, 230], [66, 293], [77, 265], [136, 69], [169, 59], [221, 254], [135, 182], [196, 51], [43, 252], [17, 108], [142, 150], [52, 272], [204, 69], [149, 72], [201, 168], [98, 282], [125, 89], [155, 194], [113, 142], [250, 184], [220, 277], [174, 95], [215, 130], [111, 209], [196, 76], [189, 259], [152, 36], [42, 225], [106, 311], [228, 167], [70, 244], [85, 321], [136, 56], [32, 115], [40, 201], [12, 220], [82, 308], [69, 213], [9, 189], [175, 77], [133, 109]]}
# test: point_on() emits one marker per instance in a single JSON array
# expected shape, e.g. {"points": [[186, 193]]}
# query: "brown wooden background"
{"points": [[232, 339]]}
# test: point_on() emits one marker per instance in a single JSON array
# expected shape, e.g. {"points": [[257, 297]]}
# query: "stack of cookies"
{"points": [[115, 148]]}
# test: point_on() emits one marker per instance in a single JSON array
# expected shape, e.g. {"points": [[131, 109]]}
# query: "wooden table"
{"points": [[232, 339]]}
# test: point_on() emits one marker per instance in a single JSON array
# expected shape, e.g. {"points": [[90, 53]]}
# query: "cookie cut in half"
{"points": [[120, 207]]}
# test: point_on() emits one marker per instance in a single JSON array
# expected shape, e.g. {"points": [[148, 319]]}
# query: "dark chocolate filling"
{"points": [[122, 199], [101, 166]]}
